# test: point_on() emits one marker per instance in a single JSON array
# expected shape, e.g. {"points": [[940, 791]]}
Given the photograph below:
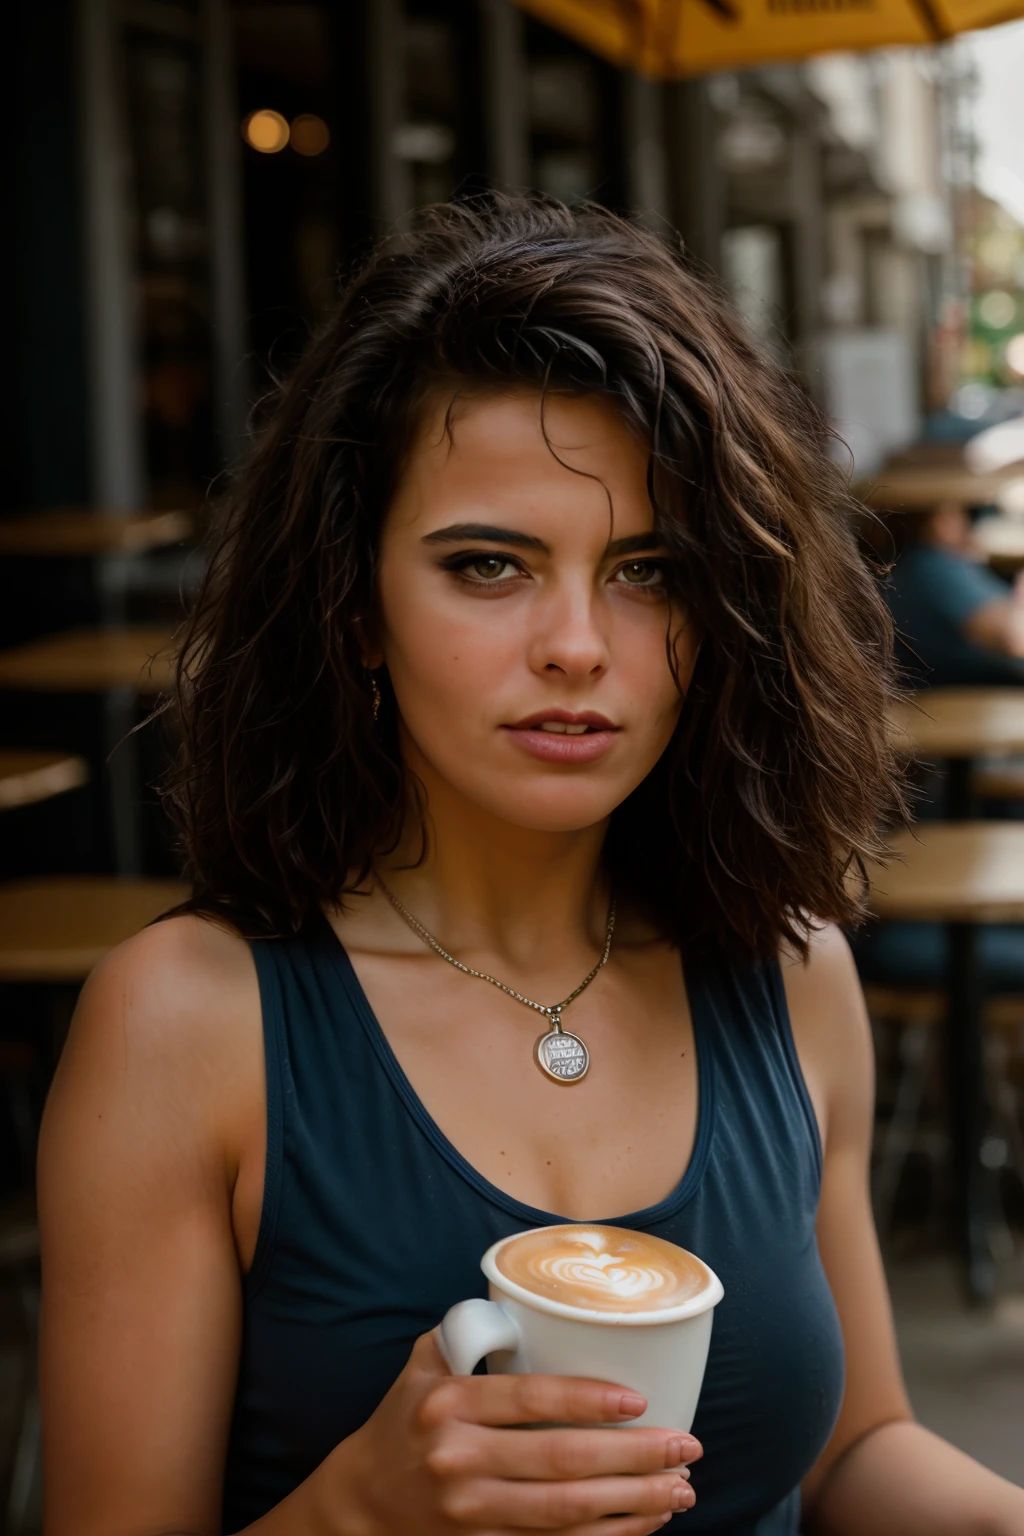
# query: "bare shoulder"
{"points": [[185, 956], [167, 1027], [170, 983], [828, 958], [831, 1030]]}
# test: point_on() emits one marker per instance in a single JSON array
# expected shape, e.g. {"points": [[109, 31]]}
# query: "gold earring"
{"points": [[375, 689]]}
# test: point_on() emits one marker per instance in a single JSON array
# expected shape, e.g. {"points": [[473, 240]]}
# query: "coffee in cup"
{"points": [[587, 1300], [602, 1269]]}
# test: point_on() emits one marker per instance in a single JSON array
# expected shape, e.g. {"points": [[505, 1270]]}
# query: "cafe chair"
{"points": [[918, 1017]]}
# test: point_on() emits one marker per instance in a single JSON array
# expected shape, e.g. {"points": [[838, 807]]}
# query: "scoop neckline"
{"points": [[689, 1181]]}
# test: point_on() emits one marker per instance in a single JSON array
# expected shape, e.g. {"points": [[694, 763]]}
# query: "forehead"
{"points": [[531, 454]]}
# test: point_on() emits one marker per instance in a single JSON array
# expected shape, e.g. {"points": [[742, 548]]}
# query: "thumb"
{"points": [[426, 1358]]}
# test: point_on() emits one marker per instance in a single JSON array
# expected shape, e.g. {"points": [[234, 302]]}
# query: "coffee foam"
{"points": [[602, 1269]]}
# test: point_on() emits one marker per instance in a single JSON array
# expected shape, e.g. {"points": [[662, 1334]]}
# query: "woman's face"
{"points": [[524, 610]]}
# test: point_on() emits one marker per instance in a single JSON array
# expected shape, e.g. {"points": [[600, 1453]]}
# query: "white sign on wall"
{"points": [[871, 390]]}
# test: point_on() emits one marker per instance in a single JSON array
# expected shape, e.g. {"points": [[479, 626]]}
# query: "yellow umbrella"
{"points": [[670, 38]]}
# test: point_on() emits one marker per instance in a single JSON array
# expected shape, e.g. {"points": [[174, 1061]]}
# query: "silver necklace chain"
{"points": [[551, 1011]]}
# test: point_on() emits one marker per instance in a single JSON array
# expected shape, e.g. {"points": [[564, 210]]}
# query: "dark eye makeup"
{"points": [[485, 568]]}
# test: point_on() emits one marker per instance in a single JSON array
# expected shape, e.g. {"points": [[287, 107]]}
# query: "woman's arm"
{"points": [[141, 1295], [880, 1474], [901, 1479], [999, 625], [150, 1176]]}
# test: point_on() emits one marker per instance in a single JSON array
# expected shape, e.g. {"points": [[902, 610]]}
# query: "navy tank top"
{"points": [[373, 1225]]}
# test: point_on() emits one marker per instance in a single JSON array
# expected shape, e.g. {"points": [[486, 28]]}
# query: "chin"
{"points": [[569, 806], [555, 823]]}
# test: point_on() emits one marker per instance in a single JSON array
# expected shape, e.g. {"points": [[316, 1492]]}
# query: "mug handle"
{"points": [[470, 1330]]}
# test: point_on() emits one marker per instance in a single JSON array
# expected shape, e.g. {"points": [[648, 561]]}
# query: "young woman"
{"points": [[537, 621]]}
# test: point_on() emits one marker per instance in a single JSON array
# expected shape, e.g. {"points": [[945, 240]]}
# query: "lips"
{"points": [[564, 736]]}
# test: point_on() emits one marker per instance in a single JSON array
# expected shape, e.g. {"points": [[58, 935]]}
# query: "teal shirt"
{"points": [[932, 594], [373, 1225]]}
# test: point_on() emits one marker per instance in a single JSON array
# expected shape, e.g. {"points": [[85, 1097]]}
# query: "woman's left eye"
{"points": [[488, 568], [641, 573]]}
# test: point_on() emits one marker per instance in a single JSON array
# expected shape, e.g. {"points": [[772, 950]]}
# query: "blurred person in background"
{"points": [[538, 618], [956, 622]]}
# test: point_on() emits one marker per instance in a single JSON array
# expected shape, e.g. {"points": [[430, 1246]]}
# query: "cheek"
{"points": [[641, 654], [439, 654]]}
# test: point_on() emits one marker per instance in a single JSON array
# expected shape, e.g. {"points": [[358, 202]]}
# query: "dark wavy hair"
{"points": [[780, 771]]}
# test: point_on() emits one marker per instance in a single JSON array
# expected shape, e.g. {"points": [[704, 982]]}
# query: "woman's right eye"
{"points": [[488, 568]]}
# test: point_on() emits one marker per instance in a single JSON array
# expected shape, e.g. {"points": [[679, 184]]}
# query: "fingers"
{"points": [[557, 1506], [531, 1400], [474, 1450]]}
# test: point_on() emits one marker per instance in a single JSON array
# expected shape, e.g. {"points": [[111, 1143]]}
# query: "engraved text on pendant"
{"points": [[562, 1056]]}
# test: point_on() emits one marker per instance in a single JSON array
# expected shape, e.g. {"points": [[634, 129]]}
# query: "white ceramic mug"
{"points": [[660, 1354]]}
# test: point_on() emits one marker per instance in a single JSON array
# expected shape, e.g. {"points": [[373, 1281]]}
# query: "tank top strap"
{"points": [[266, 955], [760, 1083], [322, 1083]]}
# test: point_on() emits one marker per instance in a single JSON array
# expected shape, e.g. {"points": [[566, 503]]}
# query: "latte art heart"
{"points": [[606, 1269], [609, 1272]]}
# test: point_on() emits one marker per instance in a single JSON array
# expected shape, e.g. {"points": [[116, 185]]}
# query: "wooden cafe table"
{"points": [[960, 874], [1001, 541], [91, 661], [971, 863], [917, 489], [80, 531], [108, 542], [958, 725], [54, 930], [120, 664], [28, 777]]}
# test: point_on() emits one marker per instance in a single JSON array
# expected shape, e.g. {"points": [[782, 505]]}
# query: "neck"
{"points": [[485, 883]]}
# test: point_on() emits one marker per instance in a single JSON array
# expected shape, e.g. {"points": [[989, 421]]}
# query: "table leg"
{"points": [[972, 1182], [959, 800]]}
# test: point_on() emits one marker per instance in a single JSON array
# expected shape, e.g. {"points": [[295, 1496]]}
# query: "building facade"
{"points": [[194, 177]]}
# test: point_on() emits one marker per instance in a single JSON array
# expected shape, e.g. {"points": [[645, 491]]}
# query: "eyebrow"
{"points": [[484, 533]]}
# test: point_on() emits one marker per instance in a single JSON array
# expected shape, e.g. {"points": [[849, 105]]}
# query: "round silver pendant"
{"points": [[561, 1056]]}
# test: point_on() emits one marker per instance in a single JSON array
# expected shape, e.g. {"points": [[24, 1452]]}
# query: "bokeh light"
{"points": [[310, 134], [997, 309], [266, 131], [1015, 355], [999, 250], [972, 400]]}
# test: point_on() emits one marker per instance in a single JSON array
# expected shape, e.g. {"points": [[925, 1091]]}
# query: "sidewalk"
{"points": [[964, 1369]]}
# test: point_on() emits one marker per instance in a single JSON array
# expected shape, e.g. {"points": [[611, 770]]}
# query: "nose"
{"points": [[569, 635]]}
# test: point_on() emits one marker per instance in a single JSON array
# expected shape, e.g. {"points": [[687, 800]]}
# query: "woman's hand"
{"points": [[448, 1455]]}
